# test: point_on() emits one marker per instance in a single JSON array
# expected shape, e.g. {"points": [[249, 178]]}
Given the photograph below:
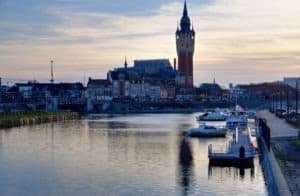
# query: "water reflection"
{"points": [[185, 165], [119, 155], [236, 171]]}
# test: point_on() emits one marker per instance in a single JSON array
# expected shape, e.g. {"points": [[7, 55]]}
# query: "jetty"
{"points": [[239, 152]]}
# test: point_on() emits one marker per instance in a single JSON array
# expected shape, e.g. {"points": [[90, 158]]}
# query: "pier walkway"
{"points": [[232, 155], [278, 126], [287, 175]]}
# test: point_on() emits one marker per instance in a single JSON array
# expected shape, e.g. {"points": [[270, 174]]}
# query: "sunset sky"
{"points": [[237, 41]]}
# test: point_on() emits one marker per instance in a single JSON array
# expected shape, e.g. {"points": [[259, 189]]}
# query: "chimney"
{"points": [[175, 64]]}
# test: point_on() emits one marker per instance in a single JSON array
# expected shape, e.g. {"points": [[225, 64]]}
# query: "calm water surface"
{"points": [[116, 155]]}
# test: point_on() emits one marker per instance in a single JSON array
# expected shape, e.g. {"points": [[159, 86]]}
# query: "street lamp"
{"points": [[287, 102], [277, 101], [280, 95], [297, 86], [274, 98]]}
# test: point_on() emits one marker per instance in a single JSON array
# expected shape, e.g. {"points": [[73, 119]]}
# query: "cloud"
{"points": [[236, 40]]}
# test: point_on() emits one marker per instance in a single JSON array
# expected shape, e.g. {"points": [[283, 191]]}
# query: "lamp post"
{"points": [[52, 77], [287, 102], [297, 86], [280, 96], [274, 95], [277, 101], [270, 102]]}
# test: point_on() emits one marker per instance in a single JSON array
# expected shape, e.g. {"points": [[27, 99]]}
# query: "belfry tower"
{"points": [[185, 42]]}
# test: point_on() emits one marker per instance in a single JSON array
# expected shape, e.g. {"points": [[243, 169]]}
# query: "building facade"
{"points": [[185, 42], [291, 81], [99, 90]]}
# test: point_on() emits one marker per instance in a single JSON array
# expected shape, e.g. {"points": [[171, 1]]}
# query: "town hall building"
{"points": [[185, 42]]}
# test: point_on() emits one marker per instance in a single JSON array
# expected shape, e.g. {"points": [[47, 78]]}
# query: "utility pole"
{"points": [[276, 100], [297, 94], [273, 101], [281, 99], [287, 102], [52, 78]]}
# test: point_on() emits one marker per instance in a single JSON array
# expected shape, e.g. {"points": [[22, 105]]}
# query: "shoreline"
{"points": [[164, 111], [279, 157], [33, 118]]}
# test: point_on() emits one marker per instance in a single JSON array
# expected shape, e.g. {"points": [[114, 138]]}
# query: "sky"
{"points": [[237, 41]]}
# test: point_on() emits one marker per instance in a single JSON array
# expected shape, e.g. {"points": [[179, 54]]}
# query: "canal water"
{"points": [[117, 155]]}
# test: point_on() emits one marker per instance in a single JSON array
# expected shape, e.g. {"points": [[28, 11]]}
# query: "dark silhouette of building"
{"points": [[210, 92], [185, 42]]}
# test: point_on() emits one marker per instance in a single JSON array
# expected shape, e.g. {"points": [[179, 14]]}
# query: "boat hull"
{"points": [[200, 134], [212, 120]]}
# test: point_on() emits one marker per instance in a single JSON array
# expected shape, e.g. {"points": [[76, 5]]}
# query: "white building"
{"points": [[99, 90], [138, 90], [291, 81]]}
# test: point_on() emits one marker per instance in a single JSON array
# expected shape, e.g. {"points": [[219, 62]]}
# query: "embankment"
{"points": [[31, 118], [274, 177]]}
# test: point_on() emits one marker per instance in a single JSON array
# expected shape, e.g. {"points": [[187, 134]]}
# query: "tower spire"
{"points": [[185, 11], [185, 22], [185, 42]]}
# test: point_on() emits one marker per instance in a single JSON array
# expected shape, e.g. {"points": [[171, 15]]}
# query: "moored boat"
{"points": [[207, 131], [238, 119], [213, 116]]}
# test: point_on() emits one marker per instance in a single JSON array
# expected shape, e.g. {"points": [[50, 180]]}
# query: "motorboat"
{"points": [[213, 116], [238, 118], [207, 131], [237, 121]]}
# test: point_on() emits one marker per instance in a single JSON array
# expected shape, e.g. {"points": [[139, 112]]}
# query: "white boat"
{"points": [[238, 118], [213, 116], [207, 131]]}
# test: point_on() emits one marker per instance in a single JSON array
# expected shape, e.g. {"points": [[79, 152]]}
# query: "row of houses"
{"points": [[147, 80], [138, 84], [264, 90]]}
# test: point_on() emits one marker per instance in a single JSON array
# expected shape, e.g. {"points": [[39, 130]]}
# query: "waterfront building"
{"points": [[151, 79], [3, 90], [291, 81], [237, 92], [99, 90], [263, 89], [98, 94], [154, 66], [153, 91], [185, 42], [47, 96], [210, 92], [138, 90], [120, 83]]}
